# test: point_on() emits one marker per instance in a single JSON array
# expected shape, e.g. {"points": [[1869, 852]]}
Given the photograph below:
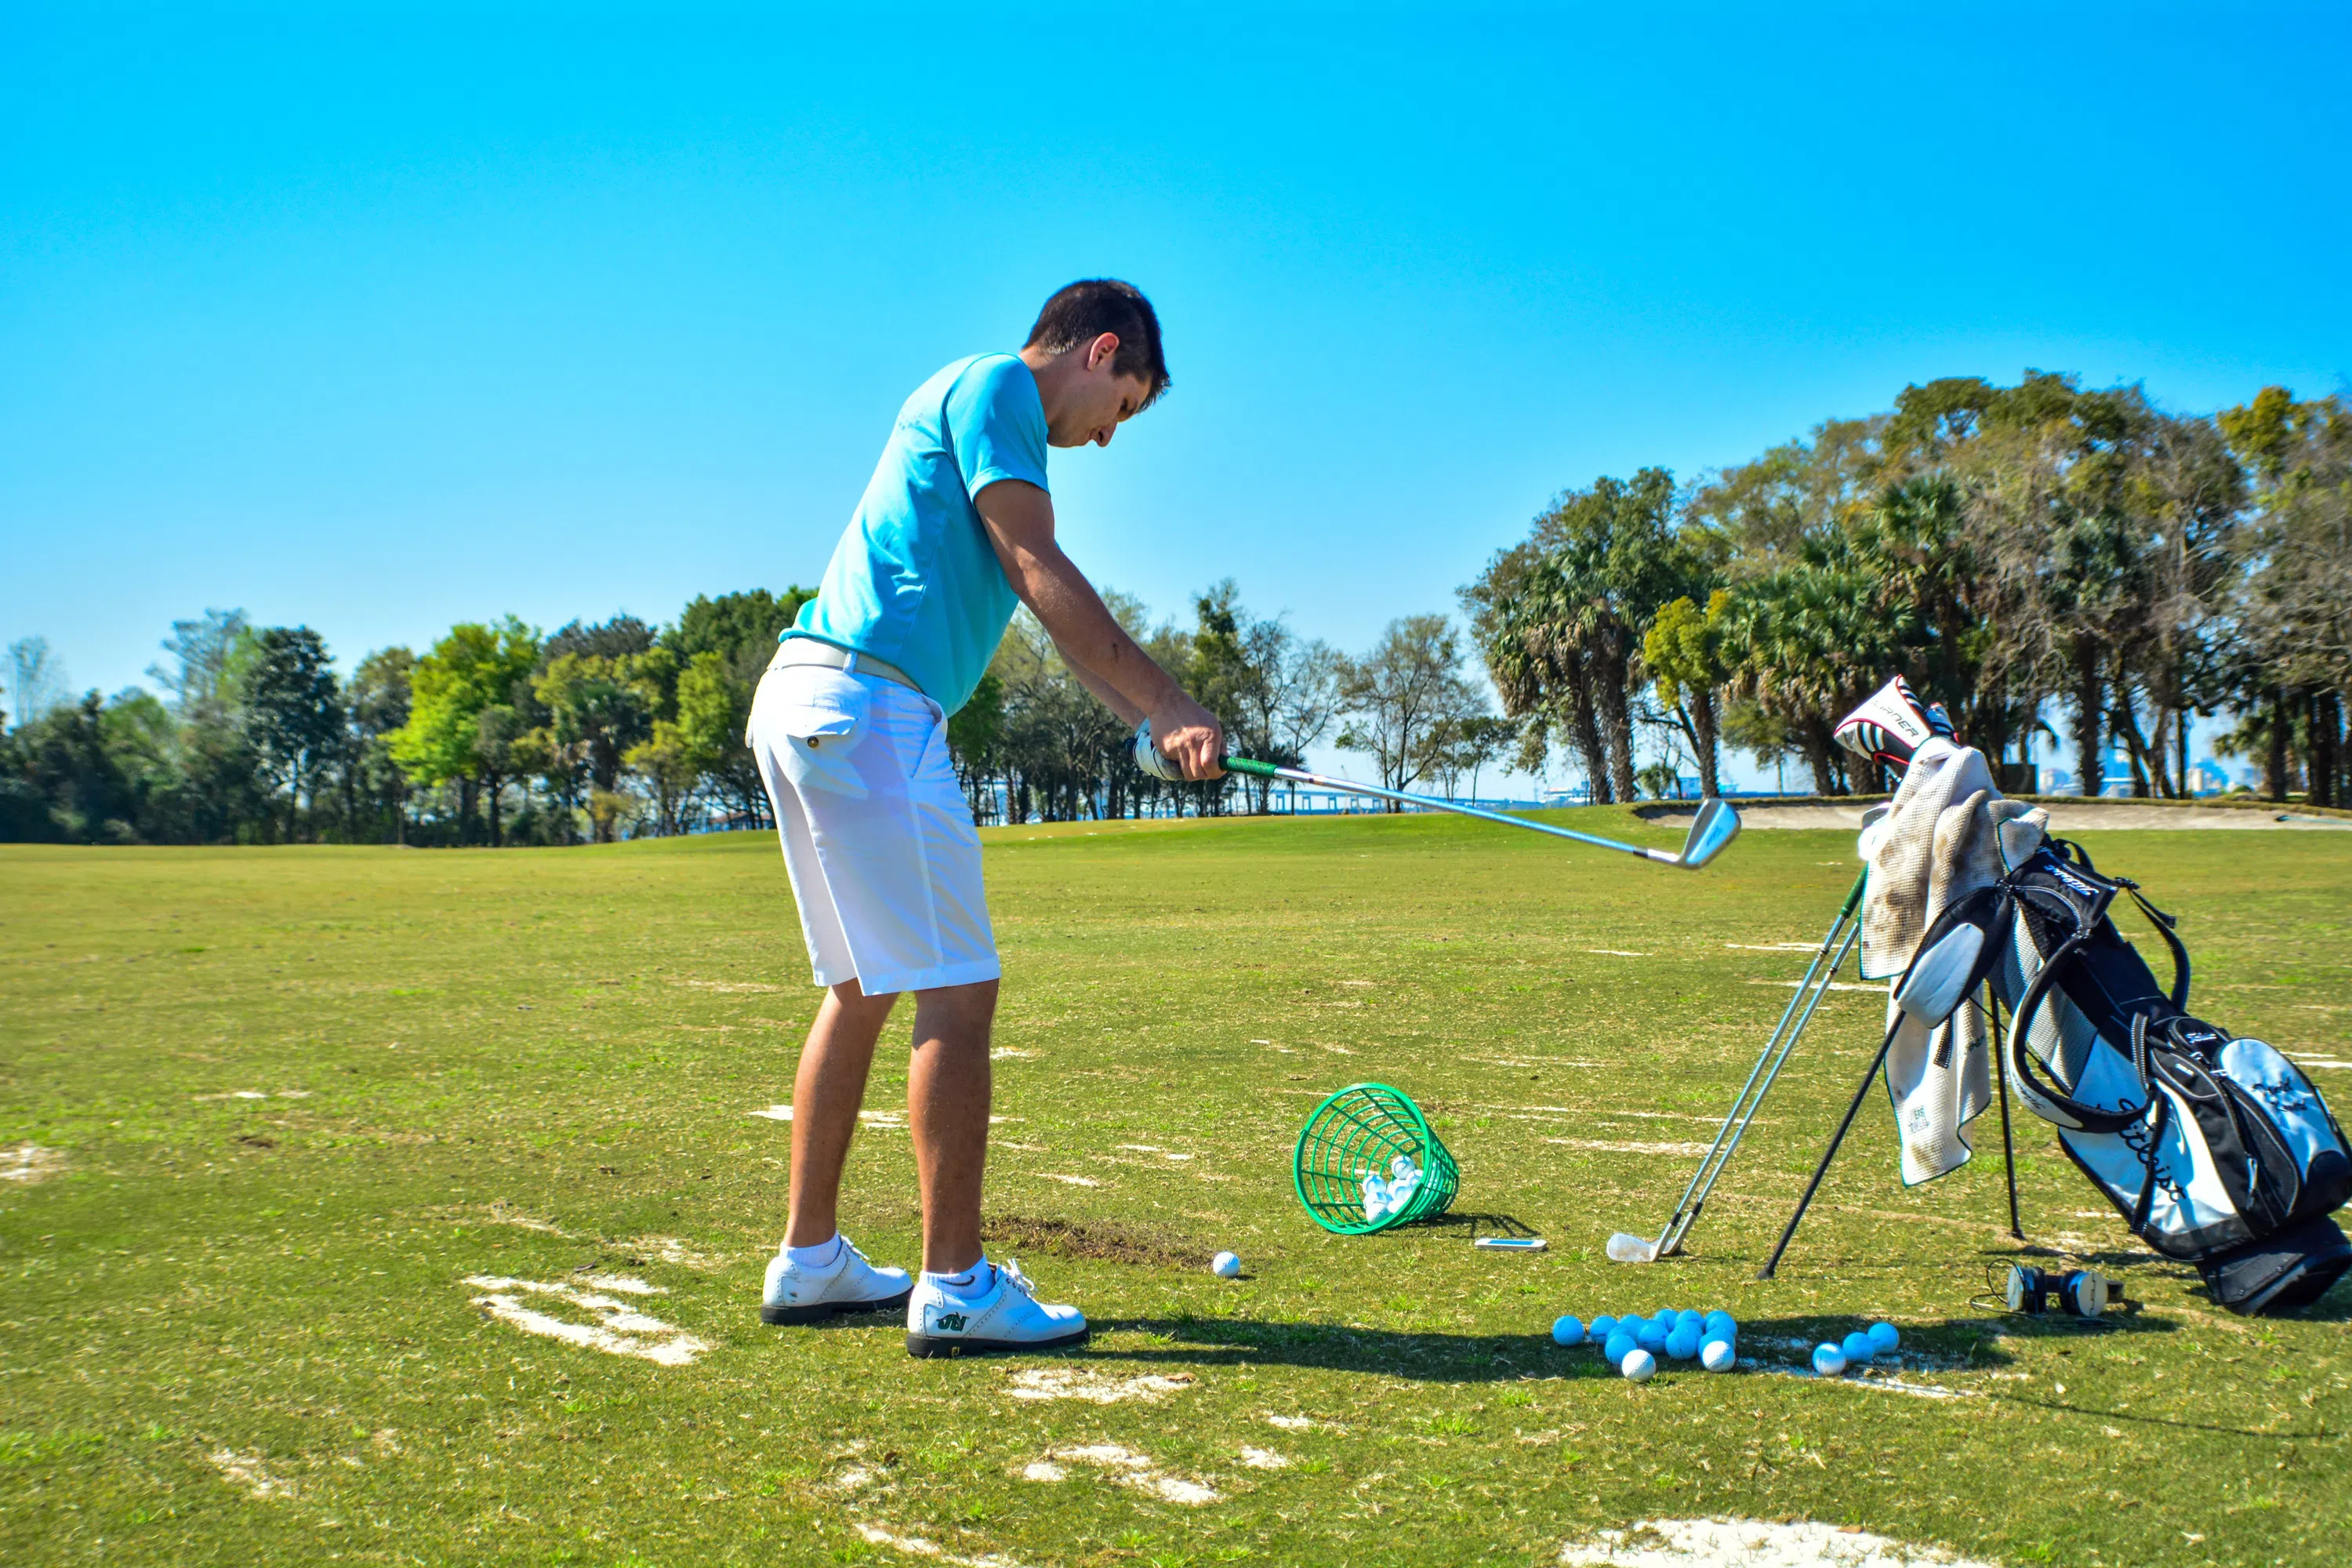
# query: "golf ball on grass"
{"points": [[1859, 1351], [1651, 1336], [1828, 1359], [1618, 1346], [1883, 1337], [1683, 1344], [1687, 1318], [1601, 1328], [1716, 1355], [1225, 1265], [1719, 1322], [1639, 1365], [1567, 1331]]}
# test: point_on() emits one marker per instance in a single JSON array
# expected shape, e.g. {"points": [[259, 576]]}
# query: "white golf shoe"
{"points": [[796, 1294], [1009, 1317]]}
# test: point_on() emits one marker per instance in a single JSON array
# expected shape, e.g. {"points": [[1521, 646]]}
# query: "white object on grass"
{"points": [[1639, 1365], [1716, 1355], [1828, 1359], [1626, 1248], [1377, 1206], [1225, 1265], [1567, 1330]]}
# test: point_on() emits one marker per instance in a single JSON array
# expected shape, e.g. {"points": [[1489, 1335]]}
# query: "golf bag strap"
{"points": [[2165, 924], [2087, 1118]]}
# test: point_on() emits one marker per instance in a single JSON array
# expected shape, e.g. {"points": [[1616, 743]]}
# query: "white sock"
{"points": [[973, 1283], [823, 1256]]}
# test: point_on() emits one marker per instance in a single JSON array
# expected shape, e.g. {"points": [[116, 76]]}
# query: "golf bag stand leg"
{"points": [[2007, 1149], [1835, 945], [1844, 1125]]}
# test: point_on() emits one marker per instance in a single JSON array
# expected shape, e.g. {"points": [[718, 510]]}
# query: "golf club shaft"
{"points": [[1299, 776], [1836, 944]]}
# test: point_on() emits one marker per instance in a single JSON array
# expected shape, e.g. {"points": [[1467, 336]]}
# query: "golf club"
{"points": [[1715, 824]]}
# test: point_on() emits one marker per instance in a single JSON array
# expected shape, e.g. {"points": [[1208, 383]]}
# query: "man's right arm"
{"points": [[1020, 521]]}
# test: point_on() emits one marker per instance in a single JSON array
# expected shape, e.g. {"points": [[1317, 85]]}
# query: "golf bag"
{"points": [[2215, 1148]]}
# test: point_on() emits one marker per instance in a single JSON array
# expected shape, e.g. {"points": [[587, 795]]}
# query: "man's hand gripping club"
{"points": [[1107, 661]]}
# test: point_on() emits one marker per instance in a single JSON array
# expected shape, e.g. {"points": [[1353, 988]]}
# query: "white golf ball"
{"points": [[1885, 1337], [1567, 1330], [1828, 1359], [1716, 1355], [1639, 1365], [1225, 1265]]}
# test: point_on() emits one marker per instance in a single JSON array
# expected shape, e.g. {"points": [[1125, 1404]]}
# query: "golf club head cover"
{"points": [[1149, 760], [1893, 724]]}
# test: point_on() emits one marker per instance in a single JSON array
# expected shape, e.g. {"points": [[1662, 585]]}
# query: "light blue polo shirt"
{"points": [[914, 580]]}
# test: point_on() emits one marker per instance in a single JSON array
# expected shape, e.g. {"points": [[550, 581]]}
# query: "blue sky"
{"points": [[384, 319]]}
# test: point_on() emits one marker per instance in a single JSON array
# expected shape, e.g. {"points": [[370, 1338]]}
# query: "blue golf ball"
{"points": [[1567, 1330], [1883, 1336], [1683, 1344], [1651, 1336], [1619, 1345], [1665, 1315], [1859, 1351], [1602, 1327], [1687, 1318], [1720, 1322], [1828, 1359], [1631, 1322]]}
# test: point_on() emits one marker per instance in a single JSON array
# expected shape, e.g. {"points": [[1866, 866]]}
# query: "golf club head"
{"points": [[1715, 825]]}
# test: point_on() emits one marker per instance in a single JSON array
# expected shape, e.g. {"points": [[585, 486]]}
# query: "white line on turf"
{"points": [[1834, 985], [1070, 1181], [620, 1329], [2318, 1062], [1751, 1543], [1598, 1146], [1618, 953], [774, 1113]]}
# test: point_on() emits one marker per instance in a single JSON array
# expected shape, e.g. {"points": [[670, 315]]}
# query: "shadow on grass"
{"points": [[1970, 1344]]}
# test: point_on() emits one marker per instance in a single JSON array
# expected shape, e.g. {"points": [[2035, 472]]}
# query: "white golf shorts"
{"points": [[883, 857]]}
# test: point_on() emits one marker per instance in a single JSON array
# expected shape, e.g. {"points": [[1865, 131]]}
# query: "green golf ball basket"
{"points": [[1361, 1129]]}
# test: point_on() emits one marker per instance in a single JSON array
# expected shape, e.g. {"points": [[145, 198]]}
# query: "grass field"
{"points": [[320, 1136]]}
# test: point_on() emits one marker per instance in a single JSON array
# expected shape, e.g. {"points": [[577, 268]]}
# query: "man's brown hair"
{"points": [[1081, 312]]}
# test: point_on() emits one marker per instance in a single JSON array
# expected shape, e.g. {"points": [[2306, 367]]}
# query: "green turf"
{"points": [[540, 1065]]}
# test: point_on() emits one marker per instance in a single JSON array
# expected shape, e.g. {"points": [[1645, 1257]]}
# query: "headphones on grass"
{"points": [[2078, 1291]]}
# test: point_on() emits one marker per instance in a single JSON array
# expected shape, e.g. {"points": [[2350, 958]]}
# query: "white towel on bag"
{"points": [[1941, 840]]}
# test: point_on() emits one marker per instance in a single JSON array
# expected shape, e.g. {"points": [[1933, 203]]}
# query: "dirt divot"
{"points": [[1093, 1388], [1135, 1471], [1264, 1458], [251, 1472], [619, 1328], [917, 1546], [1107, 1240], [30, 1163], [1752, 1543]]}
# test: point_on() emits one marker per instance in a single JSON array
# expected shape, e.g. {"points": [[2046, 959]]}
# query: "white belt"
{"points": [[808, 650]]}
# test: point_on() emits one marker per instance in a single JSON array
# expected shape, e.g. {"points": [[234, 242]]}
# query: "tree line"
{"points": [[2047, 561], [2043, 560], [498, 735]]}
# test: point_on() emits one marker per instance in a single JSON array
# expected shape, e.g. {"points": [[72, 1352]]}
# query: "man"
{"points": [[849, 728]]}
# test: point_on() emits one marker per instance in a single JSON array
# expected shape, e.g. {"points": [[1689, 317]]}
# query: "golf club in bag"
{"points": [[2214, 1147], [1715, 826]]}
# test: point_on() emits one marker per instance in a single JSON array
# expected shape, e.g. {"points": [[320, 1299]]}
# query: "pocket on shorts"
{"points": [[812, 718]]}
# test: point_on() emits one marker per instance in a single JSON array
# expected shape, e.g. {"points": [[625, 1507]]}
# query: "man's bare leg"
{"points": [[826, 1093], [947, 1103]]}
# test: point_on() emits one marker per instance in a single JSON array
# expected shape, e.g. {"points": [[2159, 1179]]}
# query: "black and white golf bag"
{"points": [[2215, 1148]]}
